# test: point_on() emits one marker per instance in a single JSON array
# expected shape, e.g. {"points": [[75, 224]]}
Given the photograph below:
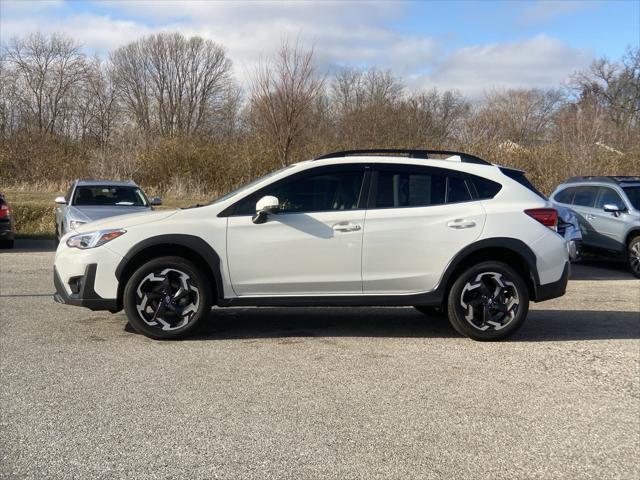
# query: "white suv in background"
{"points": [[358, 228]]}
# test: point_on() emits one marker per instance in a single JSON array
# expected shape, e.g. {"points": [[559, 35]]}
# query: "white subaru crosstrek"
{"points": [[442, 231]]}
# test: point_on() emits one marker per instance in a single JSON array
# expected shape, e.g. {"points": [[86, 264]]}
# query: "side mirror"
{"points": [[155, 201], [265, 206], [612, 208], [61, 201]]}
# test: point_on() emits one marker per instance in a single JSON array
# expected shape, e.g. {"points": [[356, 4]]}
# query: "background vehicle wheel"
{"points": [[432, 310], [633, 256], [489, 301], [166, 297]]}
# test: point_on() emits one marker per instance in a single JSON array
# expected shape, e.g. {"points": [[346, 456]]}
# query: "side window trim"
{"points": [[230, 211]]}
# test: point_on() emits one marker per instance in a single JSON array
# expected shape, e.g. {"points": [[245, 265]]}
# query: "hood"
{"points": [[92, 213], [144, 215]]}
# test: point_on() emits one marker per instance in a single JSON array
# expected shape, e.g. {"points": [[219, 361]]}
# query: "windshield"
{"points": [[105, 195], [633, 193], [250, 184]]}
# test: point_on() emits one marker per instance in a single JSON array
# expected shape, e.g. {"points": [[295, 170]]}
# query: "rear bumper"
{"points": [[6, 230], [553, 289], [83, 293]]}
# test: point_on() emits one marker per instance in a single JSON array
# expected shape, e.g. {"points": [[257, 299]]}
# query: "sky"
{"points": [[471, 46]]}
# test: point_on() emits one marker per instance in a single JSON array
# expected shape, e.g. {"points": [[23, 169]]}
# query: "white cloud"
{"points": [[342, 33], [538, 62], [546, 10]]}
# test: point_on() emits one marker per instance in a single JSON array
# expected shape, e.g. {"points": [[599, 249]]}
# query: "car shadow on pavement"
{"points": [[403, 322], [321, 322], [600, 269], [561, 325], [28, 245]]}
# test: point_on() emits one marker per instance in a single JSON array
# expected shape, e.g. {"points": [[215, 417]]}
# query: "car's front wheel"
{"points": [[166, 297], [489, 301]]}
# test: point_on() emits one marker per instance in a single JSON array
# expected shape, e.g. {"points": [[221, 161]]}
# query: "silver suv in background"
{"points": [[608, 209], [89, 200]]}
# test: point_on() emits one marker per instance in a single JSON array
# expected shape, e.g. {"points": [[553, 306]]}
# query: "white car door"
{"points": [[419, 218], [313, 245]]}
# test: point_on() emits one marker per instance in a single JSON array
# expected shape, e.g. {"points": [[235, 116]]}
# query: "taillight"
{"points": [[546, 216], [4, 210]]}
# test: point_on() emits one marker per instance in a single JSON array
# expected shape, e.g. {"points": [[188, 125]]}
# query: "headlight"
{"points": [[75, 224], [94, 239]]}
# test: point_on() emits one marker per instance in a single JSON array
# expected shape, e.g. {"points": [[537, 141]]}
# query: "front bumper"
{"points": [[554, 289], [82, 291]]}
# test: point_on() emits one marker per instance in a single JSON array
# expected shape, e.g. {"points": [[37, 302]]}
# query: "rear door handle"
{"points": [[460, 223], [590, 217], [346, 227]]}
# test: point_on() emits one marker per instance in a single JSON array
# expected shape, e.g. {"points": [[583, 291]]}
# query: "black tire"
{"points": [[56, 238], [7, 243], [633, 255], [176, 295], [489, 301], [432, 310]]}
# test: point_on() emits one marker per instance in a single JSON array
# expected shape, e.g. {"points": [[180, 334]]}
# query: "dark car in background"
{"points": [[608, 209], [7, 232]]}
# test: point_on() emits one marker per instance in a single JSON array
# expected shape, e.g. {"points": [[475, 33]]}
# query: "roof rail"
{"points": [[616, 179], [422, 154]]}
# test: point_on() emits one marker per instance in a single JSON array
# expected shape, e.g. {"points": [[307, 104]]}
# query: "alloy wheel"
{"points": [[634, 257], [167, 299], [490, 301]]}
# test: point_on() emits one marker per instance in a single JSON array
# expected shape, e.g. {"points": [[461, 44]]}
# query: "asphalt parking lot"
{"points": [[318, 393]]}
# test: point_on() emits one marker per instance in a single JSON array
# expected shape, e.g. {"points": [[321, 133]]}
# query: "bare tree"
{"points": [[103, 98], [283, 96], [615, 86], [520, 116], [48, 68], [172, 84]]}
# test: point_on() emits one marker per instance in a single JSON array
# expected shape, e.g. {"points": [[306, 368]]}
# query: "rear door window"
{"points": [[402, 186], [585, 196]]}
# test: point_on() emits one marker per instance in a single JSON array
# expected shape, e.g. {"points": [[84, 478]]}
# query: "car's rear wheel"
{"points": [[166, 297], [489, 301], [633, 256]]}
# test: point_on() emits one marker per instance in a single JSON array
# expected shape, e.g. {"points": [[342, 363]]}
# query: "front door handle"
{"points": [[346, 227], [460, 223]]}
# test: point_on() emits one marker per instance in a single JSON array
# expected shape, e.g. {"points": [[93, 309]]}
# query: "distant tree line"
{"points": [[167, 111]]}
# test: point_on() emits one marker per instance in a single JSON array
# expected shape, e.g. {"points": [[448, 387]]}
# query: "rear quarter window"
{"points": [[486, 188], [521, 178], [565, 196]]}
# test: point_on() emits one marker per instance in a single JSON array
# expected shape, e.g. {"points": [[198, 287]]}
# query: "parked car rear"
{"points": [[7, 232]]}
